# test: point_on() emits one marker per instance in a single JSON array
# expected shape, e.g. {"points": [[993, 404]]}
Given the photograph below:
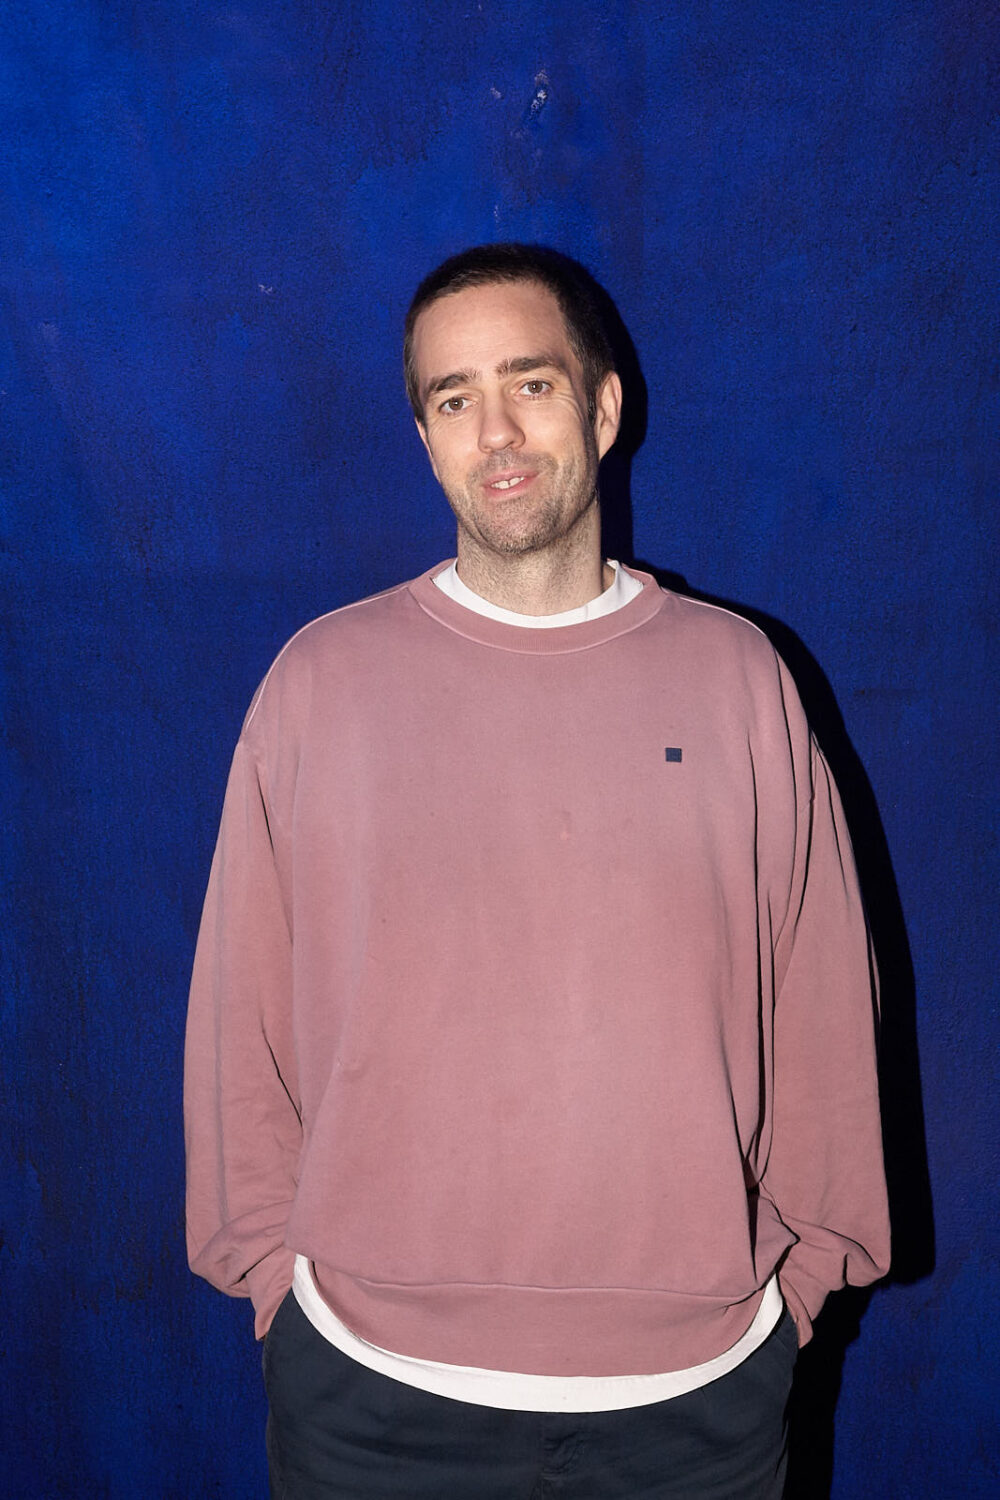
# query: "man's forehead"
{"points": [[488, 328]]}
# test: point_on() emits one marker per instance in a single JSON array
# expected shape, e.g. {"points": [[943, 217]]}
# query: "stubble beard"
{"points": [[522, 524]]}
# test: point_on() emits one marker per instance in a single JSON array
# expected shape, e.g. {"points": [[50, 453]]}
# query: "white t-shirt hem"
{"points": [[514, 1391]]}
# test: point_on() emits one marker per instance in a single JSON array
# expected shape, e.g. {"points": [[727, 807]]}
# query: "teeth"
{"points": [[505, 484]]}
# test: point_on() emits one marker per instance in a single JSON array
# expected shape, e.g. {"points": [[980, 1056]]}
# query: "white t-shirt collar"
{"points": [[619, 592]]}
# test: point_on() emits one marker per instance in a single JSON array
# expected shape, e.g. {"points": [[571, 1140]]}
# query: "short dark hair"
{"points": [[489, 265]]}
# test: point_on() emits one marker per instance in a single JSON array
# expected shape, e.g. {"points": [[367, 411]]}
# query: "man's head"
{"points": [[516, 399], [493, 265]]}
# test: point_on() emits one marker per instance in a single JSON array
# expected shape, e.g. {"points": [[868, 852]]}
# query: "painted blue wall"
{"points": [[213, 218]]}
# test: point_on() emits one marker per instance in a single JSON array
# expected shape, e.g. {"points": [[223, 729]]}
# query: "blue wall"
{"points": [[215, 215]]}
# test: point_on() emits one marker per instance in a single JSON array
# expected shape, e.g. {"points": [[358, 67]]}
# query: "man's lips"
{"points": [[508, 484]]}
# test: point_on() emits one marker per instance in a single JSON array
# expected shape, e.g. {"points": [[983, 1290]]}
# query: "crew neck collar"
{"points": [[557, 640], [619, 591]]}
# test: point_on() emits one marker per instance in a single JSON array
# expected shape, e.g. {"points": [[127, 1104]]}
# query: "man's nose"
{"points": [[499, 427]]}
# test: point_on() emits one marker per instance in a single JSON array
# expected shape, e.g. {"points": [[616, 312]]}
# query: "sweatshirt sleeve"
{"points": [[824, 1172], [242, 1119]]}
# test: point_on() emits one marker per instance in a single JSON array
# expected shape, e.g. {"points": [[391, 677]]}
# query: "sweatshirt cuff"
{"points": [[268, 1282], [803, 1297]]}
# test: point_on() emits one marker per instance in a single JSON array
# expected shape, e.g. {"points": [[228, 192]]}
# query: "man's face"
{"points": [[505, 416]]}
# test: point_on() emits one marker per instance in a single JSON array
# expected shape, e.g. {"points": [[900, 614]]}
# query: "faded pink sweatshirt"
{"points": [[533, 999]]}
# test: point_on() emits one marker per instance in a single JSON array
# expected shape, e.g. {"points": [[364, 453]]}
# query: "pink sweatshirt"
{"points": [[533, 999]]}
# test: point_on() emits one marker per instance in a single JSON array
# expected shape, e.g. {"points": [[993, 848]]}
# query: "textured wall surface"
{"points": [[213, 217]]}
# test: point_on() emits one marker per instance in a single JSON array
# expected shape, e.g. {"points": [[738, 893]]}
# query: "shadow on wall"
{"points": [[820, 1366]]}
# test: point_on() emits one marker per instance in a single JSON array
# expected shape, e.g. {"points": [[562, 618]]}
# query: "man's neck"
{"points": [[535, 590], [545, 582]]}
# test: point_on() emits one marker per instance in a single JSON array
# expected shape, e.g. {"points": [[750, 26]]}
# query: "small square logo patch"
{"points": [[673, 752]]}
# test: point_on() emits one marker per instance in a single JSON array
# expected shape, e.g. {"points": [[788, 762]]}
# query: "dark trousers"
{"points": [[338, 1429]]}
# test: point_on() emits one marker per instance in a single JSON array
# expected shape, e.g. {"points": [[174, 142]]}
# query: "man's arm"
{"points": [[824, 1172], [242, 1126]]}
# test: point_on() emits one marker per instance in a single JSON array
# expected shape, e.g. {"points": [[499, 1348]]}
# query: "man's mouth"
{"points": [[506, 480]]}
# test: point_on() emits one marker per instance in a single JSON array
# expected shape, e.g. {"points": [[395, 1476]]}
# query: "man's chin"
{"points": [[517, 534]]}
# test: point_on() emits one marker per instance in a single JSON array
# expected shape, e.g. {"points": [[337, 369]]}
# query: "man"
{"points": [[531, 1031]]}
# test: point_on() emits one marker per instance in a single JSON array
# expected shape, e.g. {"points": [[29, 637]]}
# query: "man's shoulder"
{"points": [[349, 638], [734, 674], [718, 632], [357, 619]]}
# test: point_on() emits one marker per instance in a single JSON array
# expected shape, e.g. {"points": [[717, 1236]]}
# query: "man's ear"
{"points": [[422, 430], [608, 416]]}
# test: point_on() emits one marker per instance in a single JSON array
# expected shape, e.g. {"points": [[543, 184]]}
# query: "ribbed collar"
{"points": [[557, 641], [619, 591]]}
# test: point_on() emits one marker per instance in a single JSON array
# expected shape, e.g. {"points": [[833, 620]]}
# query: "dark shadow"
{"points": [[818, 1374], [616, 468], [820, 1367]]}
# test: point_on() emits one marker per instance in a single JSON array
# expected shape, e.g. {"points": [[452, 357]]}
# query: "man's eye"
{"points": [[454, 403], [536, 387]]}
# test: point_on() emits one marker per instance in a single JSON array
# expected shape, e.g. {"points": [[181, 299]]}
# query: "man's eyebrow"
{"points": [[449, 382], [525, 363], [522, 364]]}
